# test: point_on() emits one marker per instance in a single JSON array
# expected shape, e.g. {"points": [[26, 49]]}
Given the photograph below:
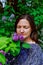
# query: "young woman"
{"points": [[26, 27]]}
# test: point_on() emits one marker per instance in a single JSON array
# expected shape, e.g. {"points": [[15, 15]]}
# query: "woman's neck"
{"points": [[29, 40]]}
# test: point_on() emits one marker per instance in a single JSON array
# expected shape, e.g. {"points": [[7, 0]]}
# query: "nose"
{"points": [[22, 30]]}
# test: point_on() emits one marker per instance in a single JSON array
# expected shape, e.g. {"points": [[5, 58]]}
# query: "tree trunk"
{"points": [[15, 5], [24, 1]]}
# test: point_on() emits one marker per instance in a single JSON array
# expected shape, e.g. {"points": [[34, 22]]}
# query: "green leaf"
{"points": [[6, 13], [3, 46], [4, 41], [26, 45], [7, 49], [15, 48], [2, 59], [12, 10], [2, 30], [6, 8]]}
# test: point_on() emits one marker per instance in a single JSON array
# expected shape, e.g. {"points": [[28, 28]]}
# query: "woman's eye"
{"points": [[26, 27], [18, 27], [23, 27]]}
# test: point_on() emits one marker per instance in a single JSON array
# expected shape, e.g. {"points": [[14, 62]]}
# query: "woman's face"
{"points": [[24, 28]]}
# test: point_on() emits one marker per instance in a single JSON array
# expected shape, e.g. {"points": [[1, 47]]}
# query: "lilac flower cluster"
{"points": [[1, 51], [4, 18], [0, 63], [10, 59], [17, 37]]}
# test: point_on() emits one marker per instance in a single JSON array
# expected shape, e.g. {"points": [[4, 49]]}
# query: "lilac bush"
{"points": [[10, 48]]}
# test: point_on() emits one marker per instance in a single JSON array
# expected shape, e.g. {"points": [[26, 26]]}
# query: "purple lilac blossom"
{"points": [[15, 37], [1, 51], [21, 37]]}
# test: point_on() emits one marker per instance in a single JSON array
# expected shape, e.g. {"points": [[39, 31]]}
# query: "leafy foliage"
{"points": [[8, 45]]}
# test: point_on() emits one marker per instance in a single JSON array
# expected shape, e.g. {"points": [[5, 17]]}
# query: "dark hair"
{"points": [[34, 35]]}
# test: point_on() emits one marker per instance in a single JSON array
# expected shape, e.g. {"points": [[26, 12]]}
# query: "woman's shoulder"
{"points": [[36, 49], [35, 46]]}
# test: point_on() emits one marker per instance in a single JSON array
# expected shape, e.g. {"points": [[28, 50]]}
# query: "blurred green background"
{"points": [[10, 11]]}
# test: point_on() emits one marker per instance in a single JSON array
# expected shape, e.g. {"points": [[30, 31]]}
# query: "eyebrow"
{"points": [[23, 25]]}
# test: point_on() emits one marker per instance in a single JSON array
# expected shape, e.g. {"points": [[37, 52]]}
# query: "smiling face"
{"points": [[24, 28]]}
